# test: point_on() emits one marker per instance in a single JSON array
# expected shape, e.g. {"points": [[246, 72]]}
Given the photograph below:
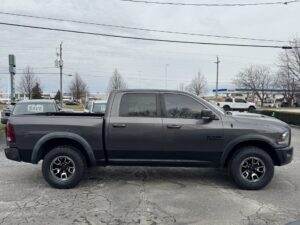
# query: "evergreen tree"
{"points": [[37, 91], [57, 96]]}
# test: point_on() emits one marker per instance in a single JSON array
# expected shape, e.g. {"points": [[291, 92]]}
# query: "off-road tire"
{"points": [[70, 153], [237, 160]]}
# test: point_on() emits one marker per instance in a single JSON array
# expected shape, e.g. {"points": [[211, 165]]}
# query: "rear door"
{"points": [[135, 127], [187, 137]]}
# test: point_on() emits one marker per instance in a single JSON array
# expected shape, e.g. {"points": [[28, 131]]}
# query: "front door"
{"points": [[188, 137]]}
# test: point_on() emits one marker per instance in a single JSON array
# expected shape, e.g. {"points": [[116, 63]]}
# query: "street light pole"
{"points": [[166, 76], [217, 80], [140, 78]]}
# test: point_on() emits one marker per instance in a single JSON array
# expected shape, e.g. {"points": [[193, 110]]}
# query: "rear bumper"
{"points": [[285, 155], [13, 154]]}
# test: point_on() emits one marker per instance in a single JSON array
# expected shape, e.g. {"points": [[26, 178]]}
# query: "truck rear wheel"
{"points": [[63, 167], [251, 168], [251, 109]]}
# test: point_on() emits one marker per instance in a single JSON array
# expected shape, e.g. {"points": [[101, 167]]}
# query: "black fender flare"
{"points": [[66, 135], [230, 146]]}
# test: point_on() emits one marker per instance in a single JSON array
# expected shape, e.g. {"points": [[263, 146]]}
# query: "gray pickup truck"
{"points": [[151, 128]]}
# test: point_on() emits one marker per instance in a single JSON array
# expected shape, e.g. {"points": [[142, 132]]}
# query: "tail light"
{"points": [[10, 136]]}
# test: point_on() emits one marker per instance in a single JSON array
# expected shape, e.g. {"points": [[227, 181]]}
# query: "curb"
{"points": [[294, 126]]}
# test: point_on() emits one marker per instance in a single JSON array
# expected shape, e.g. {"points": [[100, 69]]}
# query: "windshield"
{"points": [[99, 108], [29, 108]]}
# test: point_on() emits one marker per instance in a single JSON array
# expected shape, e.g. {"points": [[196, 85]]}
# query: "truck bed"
{"points": [[29, 129]]}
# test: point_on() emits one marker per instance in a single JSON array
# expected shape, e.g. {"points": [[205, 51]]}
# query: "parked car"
{"points": [[240, 104], [34, 106], [284, 104], [5, 114], [151, 128], [269, 103], [97, 106], [4, 100], [72, 102]]}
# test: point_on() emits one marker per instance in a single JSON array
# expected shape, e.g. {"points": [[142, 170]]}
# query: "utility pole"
{"points": [[217, 80], [12, 71], [59, 63], [166, 76]]}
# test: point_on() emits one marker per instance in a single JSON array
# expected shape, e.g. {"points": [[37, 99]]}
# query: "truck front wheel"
{"points": [[251, 168], [63, 167]]}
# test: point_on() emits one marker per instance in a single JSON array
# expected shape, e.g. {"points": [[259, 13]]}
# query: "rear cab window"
{"points": [[138, 105]]}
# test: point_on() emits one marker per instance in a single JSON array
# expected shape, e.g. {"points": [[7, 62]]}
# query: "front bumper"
{"points": [[285, 155], [12, 154]]}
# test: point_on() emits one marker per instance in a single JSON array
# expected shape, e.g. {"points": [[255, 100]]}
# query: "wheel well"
{"points": [[226, 106], [260, 144], [53, 143]]}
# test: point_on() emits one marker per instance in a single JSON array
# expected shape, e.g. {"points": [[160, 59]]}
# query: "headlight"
{"points": [[284, 138]]}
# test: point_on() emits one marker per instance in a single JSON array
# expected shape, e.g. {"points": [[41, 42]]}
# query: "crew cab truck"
{"points": [[239, 104], [151, 128]]}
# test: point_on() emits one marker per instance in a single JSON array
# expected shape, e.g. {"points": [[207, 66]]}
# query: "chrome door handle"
{"points": [[119, 125], [173, 126]]}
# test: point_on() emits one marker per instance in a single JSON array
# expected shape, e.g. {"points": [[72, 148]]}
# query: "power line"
{"points": [[143, 29], [213, 4], [33, 73], [147, 39]]}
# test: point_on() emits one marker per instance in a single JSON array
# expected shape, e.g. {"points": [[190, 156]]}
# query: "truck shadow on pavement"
{"points": [[150, 175]]}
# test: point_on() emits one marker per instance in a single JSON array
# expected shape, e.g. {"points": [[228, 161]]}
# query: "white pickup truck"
{"points": [[237, 104]]}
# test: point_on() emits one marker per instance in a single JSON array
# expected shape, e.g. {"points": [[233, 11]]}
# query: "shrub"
{"points": [[288, 117]]}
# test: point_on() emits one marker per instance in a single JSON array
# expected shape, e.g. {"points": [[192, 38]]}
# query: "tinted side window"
{"points": [[228, 100], [239, 100], [181, 106], [138, 105]]}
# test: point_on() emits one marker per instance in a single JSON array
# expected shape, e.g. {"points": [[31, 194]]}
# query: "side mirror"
{"points": [[207, 114]]}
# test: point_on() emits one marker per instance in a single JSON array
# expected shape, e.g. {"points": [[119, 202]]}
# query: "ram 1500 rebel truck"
{"points": [[151, 128], [238, 104]]}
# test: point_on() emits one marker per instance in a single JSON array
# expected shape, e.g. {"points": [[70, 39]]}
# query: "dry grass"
{"points": [[74, 107], [2, 128], [3, 106]]}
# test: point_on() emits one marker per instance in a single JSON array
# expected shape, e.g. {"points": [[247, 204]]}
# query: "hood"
{"points": [[255, 118]]}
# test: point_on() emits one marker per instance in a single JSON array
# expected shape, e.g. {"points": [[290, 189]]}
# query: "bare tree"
{"points": [[286, 81], [78, 87], [116, 82], [197, 85], [291, 59], [257, 78], [27, 82]]}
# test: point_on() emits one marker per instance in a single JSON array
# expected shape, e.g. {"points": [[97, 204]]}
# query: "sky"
{"points": [[141, 63]]}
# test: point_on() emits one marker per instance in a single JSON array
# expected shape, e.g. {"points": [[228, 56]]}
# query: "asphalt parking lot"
{"points": [[144, 195]]}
